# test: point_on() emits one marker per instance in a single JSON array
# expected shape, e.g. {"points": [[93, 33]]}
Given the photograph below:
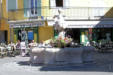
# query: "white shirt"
{"points": [[22, 45]]}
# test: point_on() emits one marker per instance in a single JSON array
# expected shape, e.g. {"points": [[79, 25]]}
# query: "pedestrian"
{"points": [[18, 44], [23, 48]]}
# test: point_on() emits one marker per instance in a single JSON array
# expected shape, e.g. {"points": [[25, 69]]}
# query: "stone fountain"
{"points": [[60, 55]]}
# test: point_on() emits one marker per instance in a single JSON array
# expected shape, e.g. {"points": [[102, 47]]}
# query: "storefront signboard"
{"points": [[23, 25]]}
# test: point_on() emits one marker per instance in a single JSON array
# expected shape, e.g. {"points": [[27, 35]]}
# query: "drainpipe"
{"points": [[1, 12]]}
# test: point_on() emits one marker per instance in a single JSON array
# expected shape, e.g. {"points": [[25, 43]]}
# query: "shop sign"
{"points": [[22, 25]]}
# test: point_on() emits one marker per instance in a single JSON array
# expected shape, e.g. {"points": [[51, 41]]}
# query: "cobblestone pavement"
{"points": [[103, 65]]}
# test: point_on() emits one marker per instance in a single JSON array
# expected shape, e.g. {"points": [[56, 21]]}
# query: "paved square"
{"points": [[20, 66]]}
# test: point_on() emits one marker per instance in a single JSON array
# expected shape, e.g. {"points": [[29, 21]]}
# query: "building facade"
{"points": [[26, 21], [88, 20], [4, 27]]}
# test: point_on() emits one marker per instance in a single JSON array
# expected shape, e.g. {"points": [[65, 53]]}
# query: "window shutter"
{"points": [[12, 4], [66, 3], [52, 3], [32, 4], [26, 3], [39, 7], [26, 8]]}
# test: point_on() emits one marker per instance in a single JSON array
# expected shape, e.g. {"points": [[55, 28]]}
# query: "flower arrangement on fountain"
{"points": [[59, 42], [62, 42]]}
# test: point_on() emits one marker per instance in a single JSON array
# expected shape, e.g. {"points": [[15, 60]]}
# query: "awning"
{"points": [[86, 24]]}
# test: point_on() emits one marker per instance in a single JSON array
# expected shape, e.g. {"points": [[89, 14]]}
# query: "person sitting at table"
{"points": [[32, 44], [18, 44]]}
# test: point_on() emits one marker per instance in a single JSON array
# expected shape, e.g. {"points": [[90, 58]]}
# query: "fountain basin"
{"points": [[61, 55]]}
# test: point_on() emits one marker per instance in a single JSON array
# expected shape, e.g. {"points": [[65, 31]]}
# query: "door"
{"points": [[30, 36]]}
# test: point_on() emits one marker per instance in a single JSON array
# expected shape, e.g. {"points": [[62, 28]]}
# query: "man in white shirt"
{"points": [[23, 48]]}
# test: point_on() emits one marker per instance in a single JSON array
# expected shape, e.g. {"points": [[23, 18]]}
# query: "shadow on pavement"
{"points": [[88, 67], [27, 63], [103, 62]]}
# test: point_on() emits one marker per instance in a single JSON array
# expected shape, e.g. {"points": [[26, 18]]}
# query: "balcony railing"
{"points": [[69, 13]]}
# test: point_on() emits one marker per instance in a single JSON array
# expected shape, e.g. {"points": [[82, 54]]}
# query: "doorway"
{"points": [[3, 36], [25, 35], [74, 33], [30, 36]]}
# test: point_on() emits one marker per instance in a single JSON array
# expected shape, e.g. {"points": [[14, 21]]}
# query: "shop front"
{"points": [[85, 31], [25, 30], [36, 30], [96, 34], [85, 35], [28, 34], [102, 34]]}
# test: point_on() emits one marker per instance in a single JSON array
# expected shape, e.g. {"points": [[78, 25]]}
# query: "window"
{"points": [[59, 3], [32, 8], [11, 5]]}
